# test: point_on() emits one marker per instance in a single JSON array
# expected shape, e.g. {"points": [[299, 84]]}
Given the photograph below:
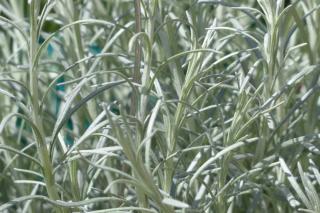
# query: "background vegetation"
{"points": [[159, 106]]}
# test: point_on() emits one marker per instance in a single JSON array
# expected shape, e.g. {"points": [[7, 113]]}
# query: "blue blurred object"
{"points": [[95, 49], [49, 48], [69, 139]]}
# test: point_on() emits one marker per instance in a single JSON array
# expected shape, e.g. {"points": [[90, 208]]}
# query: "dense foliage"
{"points": [[159, 106]]}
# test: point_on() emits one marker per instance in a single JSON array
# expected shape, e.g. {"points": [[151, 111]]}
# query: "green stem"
{"points": [[145, 80], [143, 201], [47, 168], [137, 61]]}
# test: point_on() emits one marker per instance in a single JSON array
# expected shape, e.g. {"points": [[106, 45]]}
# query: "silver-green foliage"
{"points": [[159, 106]]}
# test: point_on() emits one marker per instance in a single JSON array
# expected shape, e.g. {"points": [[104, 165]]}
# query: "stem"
{"points": [[80, 53], [147, 59], [45, 160], [137, 61], [143, 201]]}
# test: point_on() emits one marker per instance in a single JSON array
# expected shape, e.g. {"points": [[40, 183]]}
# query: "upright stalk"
{"points": [[137, 60], [73, 166], [143, 201], [47, 168], [145, 79]]}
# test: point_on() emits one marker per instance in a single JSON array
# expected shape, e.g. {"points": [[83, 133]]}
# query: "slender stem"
{"points": [[137, 61], [42, 148], [143, 201], [147, 59]]}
